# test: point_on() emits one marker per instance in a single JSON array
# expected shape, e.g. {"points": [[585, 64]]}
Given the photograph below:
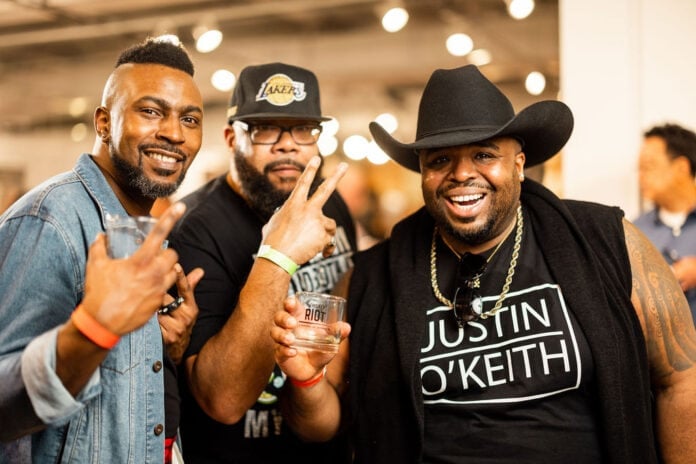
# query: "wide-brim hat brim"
{"points": [[543, 128]]}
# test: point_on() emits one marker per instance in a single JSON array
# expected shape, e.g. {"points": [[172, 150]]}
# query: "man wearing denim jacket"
{"points": [[93, 392]]}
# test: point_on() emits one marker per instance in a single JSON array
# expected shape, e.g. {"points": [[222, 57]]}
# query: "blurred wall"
{"points": [[625, 65]]}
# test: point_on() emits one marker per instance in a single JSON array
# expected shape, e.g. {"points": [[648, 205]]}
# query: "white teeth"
{"points": [[163, 158], [462, 198]]}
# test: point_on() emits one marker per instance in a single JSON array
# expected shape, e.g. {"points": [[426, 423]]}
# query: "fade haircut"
{"points": [[679, 140], [158, 51]]}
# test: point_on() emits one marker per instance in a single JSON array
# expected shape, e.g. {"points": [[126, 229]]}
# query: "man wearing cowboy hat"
{"points": [[500, 323], [230, 408]]}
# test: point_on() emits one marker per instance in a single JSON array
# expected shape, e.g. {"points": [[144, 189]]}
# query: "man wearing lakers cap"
{"points": [[230, 401]]}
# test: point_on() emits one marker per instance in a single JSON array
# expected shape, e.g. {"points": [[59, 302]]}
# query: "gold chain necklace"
{"points": [[508, 280]]}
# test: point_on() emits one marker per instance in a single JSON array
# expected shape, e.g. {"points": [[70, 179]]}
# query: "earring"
{"points": [[521, 177]]}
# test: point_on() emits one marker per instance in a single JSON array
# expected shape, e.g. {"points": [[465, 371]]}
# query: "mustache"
{"points": [[469, 183], [164, 147], [283, 162]]}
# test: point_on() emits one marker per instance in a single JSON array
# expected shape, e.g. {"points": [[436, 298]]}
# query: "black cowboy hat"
{"points": [[460, 106]]}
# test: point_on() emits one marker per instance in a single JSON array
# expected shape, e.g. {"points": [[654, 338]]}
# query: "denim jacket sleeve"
{"points": [[41, 282]]}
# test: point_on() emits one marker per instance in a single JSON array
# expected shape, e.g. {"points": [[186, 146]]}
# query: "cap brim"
{"points": [[544, 128], [247, 117]]}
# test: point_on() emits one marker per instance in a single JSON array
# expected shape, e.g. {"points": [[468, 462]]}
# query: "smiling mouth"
{"points": [[466, 200], [165, 164], [163, 158]]}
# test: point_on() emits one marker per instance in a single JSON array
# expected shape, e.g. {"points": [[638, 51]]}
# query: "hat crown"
{"points": [[460, 107], [461, 99], [275, 90]]}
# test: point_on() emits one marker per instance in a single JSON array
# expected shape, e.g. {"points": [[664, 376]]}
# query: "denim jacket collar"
{"points": [[98, 188]]}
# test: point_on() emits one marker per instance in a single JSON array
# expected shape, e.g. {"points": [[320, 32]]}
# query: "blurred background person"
{"points": [[666, 170], [361, 200]]}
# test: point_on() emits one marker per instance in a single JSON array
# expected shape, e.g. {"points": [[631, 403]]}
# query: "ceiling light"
{"points": [[520, 9], [329, 127], [209, 41], [394, 19], [170, 38], [327, 144], [375, 154], [223, 80], [479, 57], [388, 122], [207, 36], [355, 147], [535, 83], [459, 44]]}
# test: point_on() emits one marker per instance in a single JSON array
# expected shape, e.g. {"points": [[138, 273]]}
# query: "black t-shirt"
{"points": [[171, 396], [221, 234], [516, 387]]}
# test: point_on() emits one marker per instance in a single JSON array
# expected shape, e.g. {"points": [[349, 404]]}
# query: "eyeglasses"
{"points": [[269, 134], [467, 303]]}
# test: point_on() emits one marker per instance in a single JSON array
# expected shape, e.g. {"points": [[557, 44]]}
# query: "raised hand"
{"points": [[299, 228], [123, 294], [176, 326]]}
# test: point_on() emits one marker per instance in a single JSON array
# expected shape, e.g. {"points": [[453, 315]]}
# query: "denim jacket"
{"points": [[119, 415]]}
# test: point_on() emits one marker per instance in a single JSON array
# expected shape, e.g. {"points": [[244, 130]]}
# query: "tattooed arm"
{"points": [[671, 343]]}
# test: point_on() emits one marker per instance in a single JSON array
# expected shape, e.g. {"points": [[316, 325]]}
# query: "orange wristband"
{"points": [[311, 382], [93, 330]]}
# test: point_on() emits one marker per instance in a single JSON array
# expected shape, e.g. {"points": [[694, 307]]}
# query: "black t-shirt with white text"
{"points": [[221, 234], [516, 387]]}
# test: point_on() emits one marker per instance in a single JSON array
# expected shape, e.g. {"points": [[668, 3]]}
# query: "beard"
{"points": [[501, 212], [260, 193], [473, 237], [135, 178]]}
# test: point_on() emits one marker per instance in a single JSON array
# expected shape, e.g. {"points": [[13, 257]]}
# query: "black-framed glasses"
{"points": [[269, 134], [467, 304]]}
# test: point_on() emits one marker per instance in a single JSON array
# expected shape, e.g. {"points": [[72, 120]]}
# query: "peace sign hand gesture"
{"points": [[299, 228]]}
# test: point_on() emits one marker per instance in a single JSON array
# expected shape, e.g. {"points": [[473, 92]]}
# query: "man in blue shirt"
{"points": [[81, 353], [667, 166]]}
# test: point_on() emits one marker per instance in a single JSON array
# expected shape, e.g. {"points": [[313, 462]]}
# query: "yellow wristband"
{"points": [[278, 258]]}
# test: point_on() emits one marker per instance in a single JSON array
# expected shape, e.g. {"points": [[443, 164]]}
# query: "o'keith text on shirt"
{"points": [[527, 350]]}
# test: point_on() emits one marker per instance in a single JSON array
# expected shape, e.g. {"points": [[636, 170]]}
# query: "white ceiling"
{"points": [[52, 51]]}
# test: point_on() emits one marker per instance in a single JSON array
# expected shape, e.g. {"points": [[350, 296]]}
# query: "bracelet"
{"points": [[168, 309], [278, 258], [92, 329], [311, 382]]}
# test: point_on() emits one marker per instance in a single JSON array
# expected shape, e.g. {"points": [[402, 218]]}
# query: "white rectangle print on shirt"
{"points": [[529, 350]]}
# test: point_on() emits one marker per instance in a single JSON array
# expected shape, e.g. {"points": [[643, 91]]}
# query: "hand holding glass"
{"points": [[125, 234], [317, 317]]}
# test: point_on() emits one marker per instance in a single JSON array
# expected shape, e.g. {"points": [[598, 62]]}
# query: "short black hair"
{"points": [[158, 51], [679, 140]]}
